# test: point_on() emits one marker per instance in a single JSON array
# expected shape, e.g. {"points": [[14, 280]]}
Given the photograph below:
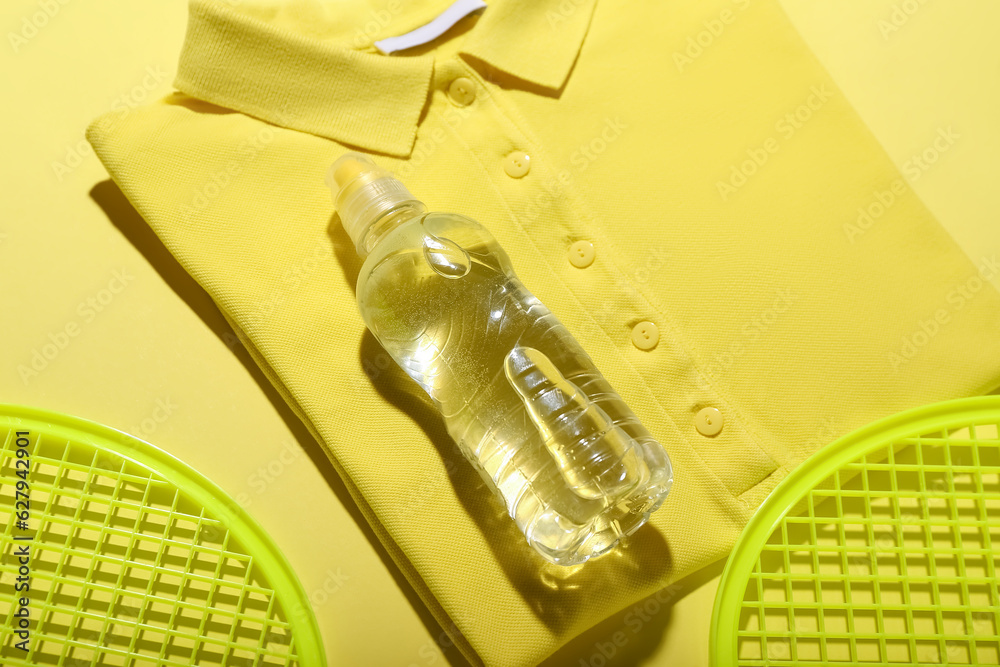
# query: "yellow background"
{"points": [[158, 360]]}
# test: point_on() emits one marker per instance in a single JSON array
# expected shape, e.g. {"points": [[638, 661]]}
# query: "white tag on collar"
{"points": [[431, 31]]}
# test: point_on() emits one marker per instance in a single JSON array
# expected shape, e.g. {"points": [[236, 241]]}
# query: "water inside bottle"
{"points": [[561, 450]]}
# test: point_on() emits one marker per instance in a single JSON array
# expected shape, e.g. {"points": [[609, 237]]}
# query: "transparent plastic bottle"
{"points": [[551, 438]]}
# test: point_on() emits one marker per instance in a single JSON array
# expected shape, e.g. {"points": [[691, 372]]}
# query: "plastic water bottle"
{"points": [[555, 443]]}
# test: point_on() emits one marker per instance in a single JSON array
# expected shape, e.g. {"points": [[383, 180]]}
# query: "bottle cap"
{"points": [[362, 193]]}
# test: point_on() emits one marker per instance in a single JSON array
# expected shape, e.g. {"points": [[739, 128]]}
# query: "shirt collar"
{"points": [[364, 99]]}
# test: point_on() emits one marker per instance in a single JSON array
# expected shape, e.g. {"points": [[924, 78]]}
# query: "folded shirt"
{"points": [[740, 214]]}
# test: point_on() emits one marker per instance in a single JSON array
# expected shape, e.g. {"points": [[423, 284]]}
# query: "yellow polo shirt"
{"points": [[748, 248]]}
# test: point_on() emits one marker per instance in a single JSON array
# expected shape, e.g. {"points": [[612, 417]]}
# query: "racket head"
{"points": [[882, 548], [137, 559]]}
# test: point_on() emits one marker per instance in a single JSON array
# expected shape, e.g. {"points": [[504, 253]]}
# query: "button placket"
{"points": [[549, 187], [603, 301]]}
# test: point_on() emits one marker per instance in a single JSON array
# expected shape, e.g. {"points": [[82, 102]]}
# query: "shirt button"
{"points": [[462, 91], [645, 335], [709, 422], [517, 164], [581, 254]]}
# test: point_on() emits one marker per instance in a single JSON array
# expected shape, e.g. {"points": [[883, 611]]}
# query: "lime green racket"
{"points": [[883, 548], [116, 553]]}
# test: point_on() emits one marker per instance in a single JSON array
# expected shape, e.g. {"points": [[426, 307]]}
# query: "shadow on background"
{"points": [[123, 215], [639, 628]]}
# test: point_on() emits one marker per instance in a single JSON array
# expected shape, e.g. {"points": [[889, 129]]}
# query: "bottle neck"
{"points": [[387, 222]]}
